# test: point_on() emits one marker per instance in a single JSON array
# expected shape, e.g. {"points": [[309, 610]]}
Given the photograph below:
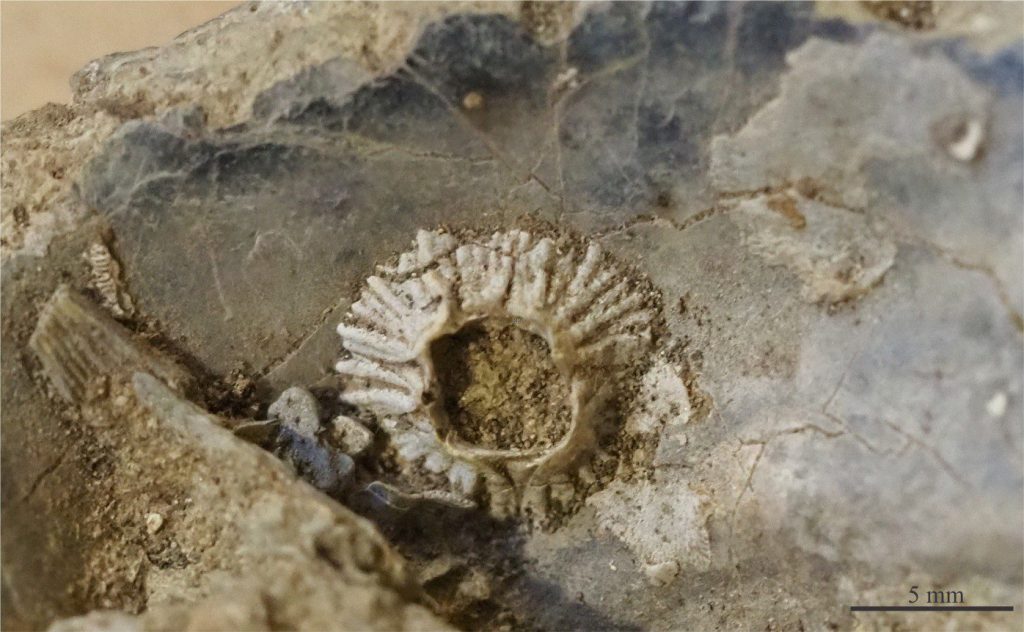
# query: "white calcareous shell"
{"points": [[583, 304]]}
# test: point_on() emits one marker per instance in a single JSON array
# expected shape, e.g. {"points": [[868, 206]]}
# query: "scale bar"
{"points": [[931, 608]]}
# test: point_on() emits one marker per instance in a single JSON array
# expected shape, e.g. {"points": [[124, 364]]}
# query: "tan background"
{"points": [[43, 43]]}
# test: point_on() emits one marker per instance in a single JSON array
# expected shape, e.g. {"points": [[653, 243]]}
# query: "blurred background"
{"points": [[43, 43]]}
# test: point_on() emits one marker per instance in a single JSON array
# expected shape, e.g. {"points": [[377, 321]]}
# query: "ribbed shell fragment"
{"points": [[584, 306]]}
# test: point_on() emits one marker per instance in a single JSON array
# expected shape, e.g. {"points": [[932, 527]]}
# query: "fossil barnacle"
{"points": [[488, 359]]}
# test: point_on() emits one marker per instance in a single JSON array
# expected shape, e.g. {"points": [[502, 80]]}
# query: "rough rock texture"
{"points": [[256, 549], [287, 557], [831, 211]]}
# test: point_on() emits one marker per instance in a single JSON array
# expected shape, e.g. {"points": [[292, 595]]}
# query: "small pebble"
{"points": [[351, 436], [297, 409], [321, 465], [154, 522]]}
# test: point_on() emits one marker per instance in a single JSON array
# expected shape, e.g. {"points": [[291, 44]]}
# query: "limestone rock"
{"points": [[828, 206]]}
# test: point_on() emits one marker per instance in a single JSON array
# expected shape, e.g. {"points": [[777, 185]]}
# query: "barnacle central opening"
{"points": [[500, 388]]}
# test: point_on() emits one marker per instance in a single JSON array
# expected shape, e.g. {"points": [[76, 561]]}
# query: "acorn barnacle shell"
{"points": [[571, 296]]}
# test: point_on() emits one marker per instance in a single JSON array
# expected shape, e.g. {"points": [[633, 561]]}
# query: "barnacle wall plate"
{"points": [[489, 358]]}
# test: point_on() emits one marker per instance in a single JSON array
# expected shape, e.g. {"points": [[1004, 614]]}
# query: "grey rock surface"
{"points": [[831, 211]]}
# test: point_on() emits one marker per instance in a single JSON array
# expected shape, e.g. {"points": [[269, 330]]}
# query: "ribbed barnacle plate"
{"points": [[488, 359]]}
